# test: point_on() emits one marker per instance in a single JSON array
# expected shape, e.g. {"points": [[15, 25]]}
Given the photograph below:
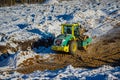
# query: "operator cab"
{"points": [[71, 29]]}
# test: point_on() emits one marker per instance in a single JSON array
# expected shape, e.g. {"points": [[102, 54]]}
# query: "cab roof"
{"points": [[74, 24]]}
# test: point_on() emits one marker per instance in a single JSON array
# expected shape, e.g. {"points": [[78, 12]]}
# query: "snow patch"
{"points": [[24, 55], [52, 2]]}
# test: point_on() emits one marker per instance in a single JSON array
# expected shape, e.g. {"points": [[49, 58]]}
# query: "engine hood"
{"points": [[62, 40]]}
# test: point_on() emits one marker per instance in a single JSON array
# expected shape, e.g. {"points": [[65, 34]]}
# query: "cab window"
{"points": [[76, 31], [67, 30]]}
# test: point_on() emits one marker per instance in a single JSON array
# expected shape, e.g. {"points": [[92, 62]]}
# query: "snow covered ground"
{"points": [[69, 73], [36, 21]]}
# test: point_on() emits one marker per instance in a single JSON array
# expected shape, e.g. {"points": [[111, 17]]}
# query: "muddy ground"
{"points": [[105, 51]]}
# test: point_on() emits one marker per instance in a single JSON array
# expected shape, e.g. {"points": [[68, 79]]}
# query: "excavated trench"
{"points": [[105, 51]]}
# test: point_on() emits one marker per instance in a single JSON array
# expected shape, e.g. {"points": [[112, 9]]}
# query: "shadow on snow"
{"points": [[43, 45]]}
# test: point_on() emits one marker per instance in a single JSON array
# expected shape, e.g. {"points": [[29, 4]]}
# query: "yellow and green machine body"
{"points": [[68, 40]]}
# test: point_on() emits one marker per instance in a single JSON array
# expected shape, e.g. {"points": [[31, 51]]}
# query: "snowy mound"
{"points": [[51, 2]]}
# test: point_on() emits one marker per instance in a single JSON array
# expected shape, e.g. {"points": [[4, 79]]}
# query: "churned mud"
{"points": [[105, 51]]}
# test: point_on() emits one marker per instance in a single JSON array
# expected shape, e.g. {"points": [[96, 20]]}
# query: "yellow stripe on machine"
{"points": [[59, 48]]}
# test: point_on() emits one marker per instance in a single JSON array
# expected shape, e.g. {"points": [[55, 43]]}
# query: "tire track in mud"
{"points": [[106, 51]]}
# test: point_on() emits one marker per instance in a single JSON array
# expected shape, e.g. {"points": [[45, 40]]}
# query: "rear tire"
{"points": [[73, 47]]}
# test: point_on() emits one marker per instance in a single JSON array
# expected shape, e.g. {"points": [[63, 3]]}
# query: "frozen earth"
{"points": [[36, 21]]}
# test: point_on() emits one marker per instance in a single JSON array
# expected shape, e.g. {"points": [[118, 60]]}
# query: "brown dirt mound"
{"points": [[20, 45], [106, 51]]}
